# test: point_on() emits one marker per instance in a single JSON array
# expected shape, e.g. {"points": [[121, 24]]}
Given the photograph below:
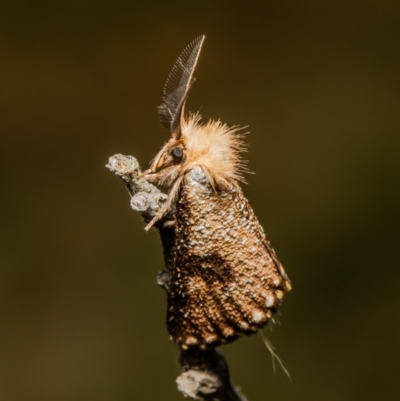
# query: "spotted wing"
{"points": [[226, 279]]}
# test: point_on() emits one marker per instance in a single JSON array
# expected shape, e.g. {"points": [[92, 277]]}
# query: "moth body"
{"points": [[226, 280]]}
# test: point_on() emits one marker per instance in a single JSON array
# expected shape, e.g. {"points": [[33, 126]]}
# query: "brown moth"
{"points": [[226, 279]]}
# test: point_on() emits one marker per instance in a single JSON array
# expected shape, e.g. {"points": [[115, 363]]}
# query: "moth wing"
{"points": [[226, 279]]}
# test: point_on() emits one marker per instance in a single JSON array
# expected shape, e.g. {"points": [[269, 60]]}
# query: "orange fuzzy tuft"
{"points": [[215, 148]]}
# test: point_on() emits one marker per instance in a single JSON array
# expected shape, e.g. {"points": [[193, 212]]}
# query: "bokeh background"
{"points": [[318, 84]]}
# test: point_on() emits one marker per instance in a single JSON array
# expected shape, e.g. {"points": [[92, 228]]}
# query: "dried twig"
{"points": [[205, 374]]}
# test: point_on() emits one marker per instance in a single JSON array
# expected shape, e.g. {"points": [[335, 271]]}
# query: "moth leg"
{"points": [[150, 176], [172, 194], [165, 177]]}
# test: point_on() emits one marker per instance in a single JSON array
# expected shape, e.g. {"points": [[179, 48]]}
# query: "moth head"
{"points": [[172, 154], [166, 166], [213, 146], [168, 163]]}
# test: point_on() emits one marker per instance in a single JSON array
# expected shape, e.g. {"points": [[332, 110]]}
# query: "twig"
{"points": [[205, 374]]}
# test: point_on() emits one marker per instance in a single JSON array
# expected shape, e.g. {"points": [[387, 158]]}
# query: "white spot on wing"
{"points": [[269, 301], [258, 316]]}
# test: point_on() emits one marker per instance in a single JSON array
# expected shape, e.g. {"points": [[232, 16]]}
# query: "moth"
{"points": [[226, 280]]}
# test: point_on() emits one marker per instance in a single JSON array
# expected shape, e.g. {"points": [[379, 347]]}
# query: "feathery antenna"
{"points": [[177, 87]]}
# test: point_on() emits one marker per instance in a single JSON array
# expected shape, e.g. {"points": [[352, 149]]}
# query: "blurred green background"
{"points": [[318, 84]]}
